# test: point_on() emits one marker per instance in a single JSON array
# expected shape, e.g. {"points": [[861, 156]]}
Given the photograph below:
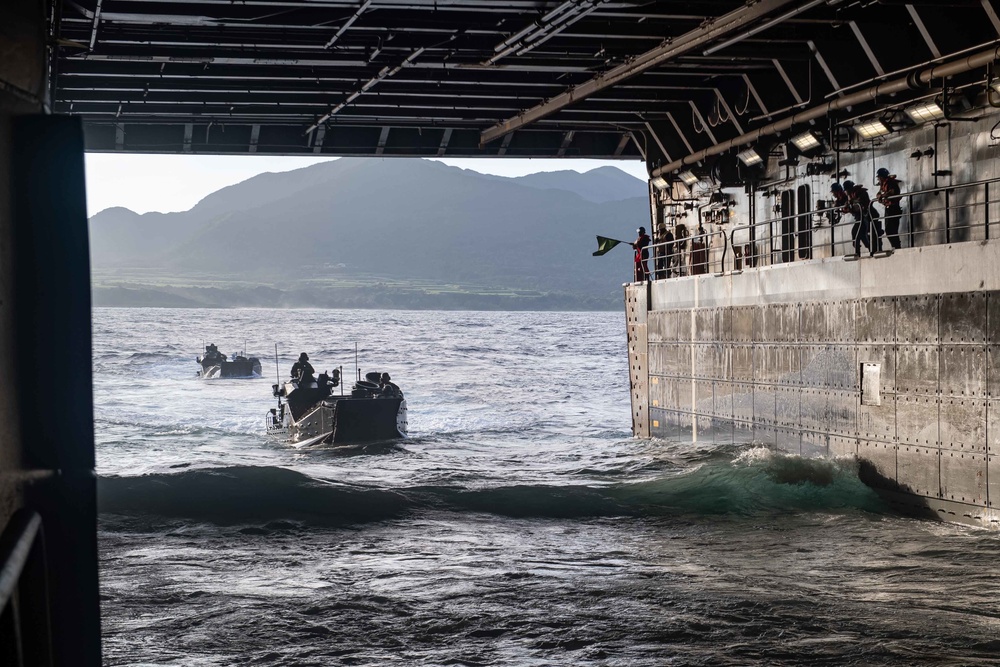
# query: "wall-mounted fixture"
{"points": [[871, 129], [750, 157], [659, 183], [924, 112], [688, 178], [788, 156], [814, 168], [720, 198]]}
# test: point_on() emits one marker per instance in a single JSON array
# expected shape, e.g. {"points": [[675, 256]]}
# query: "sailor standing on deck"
{"points": [[867, 226], [888, 196], [641, 245], [302, 370]]}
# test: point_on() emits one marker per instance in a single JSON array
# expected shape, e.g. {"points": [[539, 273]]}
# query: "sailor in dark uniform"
{"points": [[302, 370], [387, 388]]}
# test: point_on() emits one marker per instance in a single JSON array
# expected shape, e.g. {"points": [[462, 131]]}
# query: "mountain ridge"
{"points": [[400, 221]]}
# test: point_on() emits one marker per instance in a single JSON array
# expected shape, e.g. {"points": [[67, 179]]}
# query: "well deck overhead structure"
{"points": [[680, 85], [588, 78]]}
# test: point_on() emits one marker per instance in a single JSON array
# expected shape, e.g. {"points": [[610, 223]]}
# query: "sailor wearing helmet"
{"points": [[302, 370], [888, 196], [641, 245], [867, 229]]}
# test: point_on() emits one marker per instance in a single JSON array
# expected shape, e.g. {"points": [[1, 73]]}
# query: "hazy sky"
{"points": [[177, 182]]}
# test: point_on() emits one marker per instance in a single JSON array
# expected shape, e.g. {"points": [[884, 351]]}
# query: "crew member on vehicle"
{"points": [[387, 388], [641, 245], [302, 370]]}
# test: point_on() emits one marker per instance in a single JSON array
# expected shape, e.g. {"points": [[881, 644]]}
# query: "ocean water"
{"points": [[520, 524]]}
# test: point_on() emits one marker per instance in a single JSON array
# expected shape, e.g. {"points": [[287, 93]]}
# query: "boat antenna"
{"points": [[277, 373], [356, 369]]}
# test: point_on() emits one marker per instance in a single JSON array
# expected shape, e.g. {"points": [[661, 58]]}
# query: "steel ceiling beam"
{"points": [[917, 80], [992, 14], [97, 21], [919, 23], [347, 24], [686, 43], [770, 23], [866, 47]]}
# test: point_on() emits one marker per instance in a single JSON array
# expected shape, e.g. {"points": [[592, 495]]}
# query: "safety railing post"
{"points": [[947, 216], [986, 213], [909, 210]]}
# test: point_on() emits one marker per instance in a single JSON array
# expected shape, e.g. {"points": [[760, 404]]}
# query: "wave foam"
{"points": [[755, 481]]}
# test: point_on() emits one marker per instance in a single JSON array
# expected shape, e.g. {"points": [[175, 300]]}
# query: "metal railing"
{"points": [[934, 216], [687, 256], [25, 629]]}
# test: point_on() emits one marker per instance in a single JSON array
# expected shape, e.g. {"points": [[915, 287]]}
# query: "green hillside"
{"points": [[378, 233]]}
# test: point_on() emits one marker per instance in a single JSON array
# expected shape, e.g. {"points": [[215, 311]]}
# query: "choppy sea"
{"points": [[520, 524]]}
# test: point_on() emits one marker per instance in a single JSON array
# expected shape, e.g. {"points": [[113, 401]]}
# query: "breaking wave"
{"points": [[756, 481]]}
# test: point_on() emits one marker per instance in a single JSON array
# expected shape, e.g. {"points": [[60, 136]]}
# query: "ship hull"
{"points": [[890, 360]]}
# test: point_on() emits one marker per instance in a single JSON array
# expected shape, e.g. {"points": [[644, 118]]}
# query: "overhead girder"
{"points": [[289, 63], [956, 66], [348, 140], [682, 44]]}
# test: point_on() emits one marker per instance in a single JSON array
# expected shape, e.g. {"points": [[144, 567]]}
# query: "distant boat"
{"points": [[215, 364], [311, 412]]}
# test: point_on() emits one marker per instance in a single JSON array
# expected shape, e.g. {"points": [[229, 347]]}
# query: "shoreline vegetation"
{"points": [[129, 291]]}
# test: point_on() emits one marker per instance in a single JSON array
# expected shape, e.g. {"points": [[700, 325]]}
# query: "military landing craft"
{"points": [[215, 364], [310, 411]]}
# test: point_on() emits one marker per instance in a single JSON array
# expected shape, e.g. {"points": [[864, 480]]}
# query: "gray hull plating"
{"points": [[779, 356]]}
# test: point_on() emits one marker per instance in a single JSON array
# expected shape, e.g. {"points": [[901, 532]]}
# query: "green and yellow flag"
{"points": [[604, 244]]}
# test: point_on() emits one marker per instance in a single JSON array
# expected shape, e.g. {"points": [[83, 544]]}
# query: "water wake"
{"points": [[756, 481]]}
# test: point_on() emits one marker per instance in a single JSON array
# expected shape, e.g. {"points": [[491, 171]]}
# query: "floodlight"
{"points": [[688, 177], [659, 183], [749, 157], [924, 111], [871, 129], [806, 141]]}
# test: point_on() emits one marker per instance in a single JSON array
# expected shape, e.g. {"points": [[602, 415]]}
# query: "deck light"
{"points": [[688, 177], [659, 183], [749, 157], [871, 129], [806, 141], [924, 111]]}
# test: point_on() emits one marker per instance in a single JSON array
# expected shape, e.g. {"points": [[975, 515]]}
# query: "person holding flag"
{"points": [[641, 245]]}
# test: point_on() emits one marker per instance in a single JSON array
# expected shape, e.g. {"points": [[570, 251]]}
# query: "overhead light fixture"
{"points": [[659, 183], [871, 129], [749, 157], [688, 177], [806, 141], [924, 111]]}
